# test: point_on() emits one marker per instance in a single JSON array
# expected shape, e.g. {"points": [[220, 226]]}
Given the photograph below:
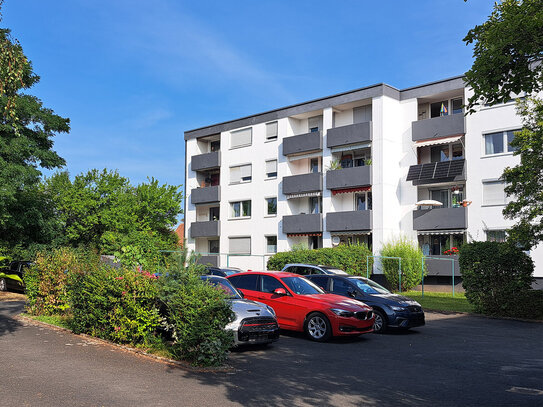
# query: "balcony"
{"points": [[351, 134], [444, 171], [206, 161], [303, 143], [205, 229], [209, 260], [299, 184], [438, 127], [440, 219], [304, 223], [349, 177], [436, 267], [349, 221], [205, 195]]}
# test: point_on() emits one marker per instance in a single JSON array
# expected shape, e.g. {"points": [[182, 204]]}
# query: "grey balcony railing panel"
{"points": [[348, 177], [205, 229], [206, 161], [351, 134], [305, 223], [440, 218], [298, 184], [302, 143], [438, 127], [436, 267], [351, 220], [206, 260], [452, 170], [205, 195]]}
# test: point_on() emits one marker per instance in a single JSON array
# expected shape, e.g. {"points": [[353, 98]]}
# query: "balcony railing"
{"points": [[209, 260], [205, 195], [351, 134], [349, 221], [304, 223], [299, 184], [206, 161], [349, 177], [438, 127], [444, 171], [205, 229], [437, 267], [303, 143], [440, 218]]}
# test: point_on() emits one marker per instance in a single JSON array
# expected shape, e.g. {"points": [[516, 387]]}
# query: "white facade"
{"points": [[380, 137]]}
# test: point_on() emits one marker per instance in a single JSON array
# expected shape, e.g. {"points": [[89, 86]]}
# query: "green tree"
{"points": [[508, 49]]}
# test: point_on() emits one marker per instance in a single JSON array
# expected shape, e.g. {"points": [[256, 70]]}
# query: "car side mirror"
{"points": [[280, 291]]}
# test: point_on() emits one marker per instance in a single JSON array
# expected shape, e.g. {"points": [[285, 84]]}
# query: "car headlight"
{"points": [[342, 312], [399, 309], [272, 311]]}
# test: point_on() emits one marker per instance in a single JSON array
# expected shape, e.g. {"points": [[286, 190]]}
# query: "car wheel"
{"points": [[3, 285], [317, 327], [380, 322]]}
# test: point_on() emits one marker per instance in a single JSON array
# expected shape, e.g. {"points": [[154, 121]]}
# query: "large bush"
{"points": [[118, 304], [197, 314], [411, 256], [351, 258], [497, 278]]}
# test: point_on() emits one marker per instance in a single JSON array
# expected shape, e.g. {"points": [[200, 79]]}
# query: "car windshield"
{"points": [[229, 272], [368, 286], [301, 286], [225, 286], [332, 270]]}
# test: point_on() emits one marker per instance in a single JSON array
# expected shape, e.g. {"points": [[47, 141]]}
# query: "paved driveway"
{"points": [[452, 361]]}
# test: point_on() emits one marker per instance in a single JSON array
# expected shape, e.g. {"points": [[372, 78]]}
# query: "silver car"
{"points": [[255, 322]]}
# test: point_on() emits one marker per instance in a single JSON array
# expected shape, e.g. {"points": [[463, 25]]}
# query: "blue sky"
{"points": [[134, 75]]}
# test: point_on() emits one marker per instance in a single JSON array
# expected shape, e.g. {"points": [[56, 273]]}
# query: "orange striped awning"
{"points": [[344, 191], [303, 234]]}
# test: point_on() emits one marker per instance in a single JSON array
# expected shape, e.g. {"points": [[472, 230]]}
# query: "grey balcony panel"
{"points": [[205, 229], [351, 134], [205, 195], [305, 223], [206, 161], [302, 143], [348, 177], [436, 267], [209, 260], [297, 184], [438, 127], [440, 218], [351, 220]]}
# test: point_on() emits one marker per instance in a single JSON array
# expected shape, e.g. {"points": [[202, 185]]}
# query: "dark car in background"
{"points": [[14, 276], [391, 310], [308, 269], [222, 272]]}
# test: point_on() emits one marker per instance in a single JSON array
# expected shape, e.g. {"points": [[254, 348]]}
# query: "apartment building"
{"points": [[355, 167]]}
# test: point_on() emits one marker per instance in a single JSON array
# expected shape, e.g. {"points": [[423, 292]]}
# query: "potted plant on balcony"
{"points": [[334, 165]]}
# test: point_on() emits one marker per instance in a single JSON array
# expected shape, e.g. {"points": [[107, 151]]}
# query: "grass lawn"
{"points": [[56, 320], [441, 301]]}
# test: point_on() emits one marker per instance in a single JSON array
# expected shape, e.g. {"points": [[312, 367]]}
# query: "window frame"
{"points": [[507, 149], [266, 237], [492, 181], [273, 138], [241, 216], [241, 180], [250, 143], [266, 169], [230, 238], [267, 207]]}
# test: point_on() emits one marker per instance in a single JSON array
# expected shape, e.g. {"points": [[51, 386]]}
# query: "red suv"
{"points": [[300, 305]]}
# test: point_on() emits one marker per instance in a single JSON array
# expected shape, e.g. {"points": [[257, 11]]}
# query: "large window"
{"points": [[315, 204], [271, 131], [363, 201], [240, 174], [495, 236], [240, 209], [240, 245], [271, 169], [271, 244], [214, 247], [499, 142], [493, 193], [241, 138], [271, 206]]}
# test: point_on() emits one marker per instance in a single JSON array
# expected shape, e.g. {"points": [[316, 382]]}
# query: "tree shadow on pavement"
{"points": [[9, 309]]}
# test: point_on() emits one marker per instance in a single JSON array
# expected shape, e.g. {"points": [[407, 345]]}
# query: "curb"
{"points": [[129, 349], [472, 314]]}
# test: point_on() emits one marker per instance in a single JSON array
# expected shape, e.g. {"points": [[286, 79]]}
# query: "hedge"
{"points": [[411, 256]]}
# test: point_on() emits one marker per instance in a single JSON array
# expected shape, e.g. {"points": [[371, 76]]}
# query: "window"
{"points": [[246, 282], [241, 138], [240, 174], [495, 236], [271, 131], [363, 201], [314, 123], [321, 281], [362, 114], [271, 169], [441, 195], [214, 213], [456, 106], [241, 209], [314, 165], [215, 145], [269, 284], [214, 247], [438, 109], [271, 206], [240, 245], [457, 151], [499, 142], [493, 193], [439, 153], [271, 244], [341, 287], [315, 204]]}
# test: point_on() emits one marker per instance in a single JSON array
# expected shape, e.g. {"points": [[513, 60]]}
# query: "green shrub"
{"points": [[497, 277], [351, 258], [411, 256], [46, 280], [198, 314]]}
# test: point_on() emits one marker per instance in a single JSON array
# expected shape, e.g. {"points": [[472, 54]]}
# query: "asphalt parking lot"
{"points": [[455, 360]]}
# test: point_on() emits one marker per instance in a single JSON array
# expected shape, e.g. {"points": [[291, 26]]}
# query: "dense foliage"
{"points": [[411, 267], [497, 278], [352, 258]]}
